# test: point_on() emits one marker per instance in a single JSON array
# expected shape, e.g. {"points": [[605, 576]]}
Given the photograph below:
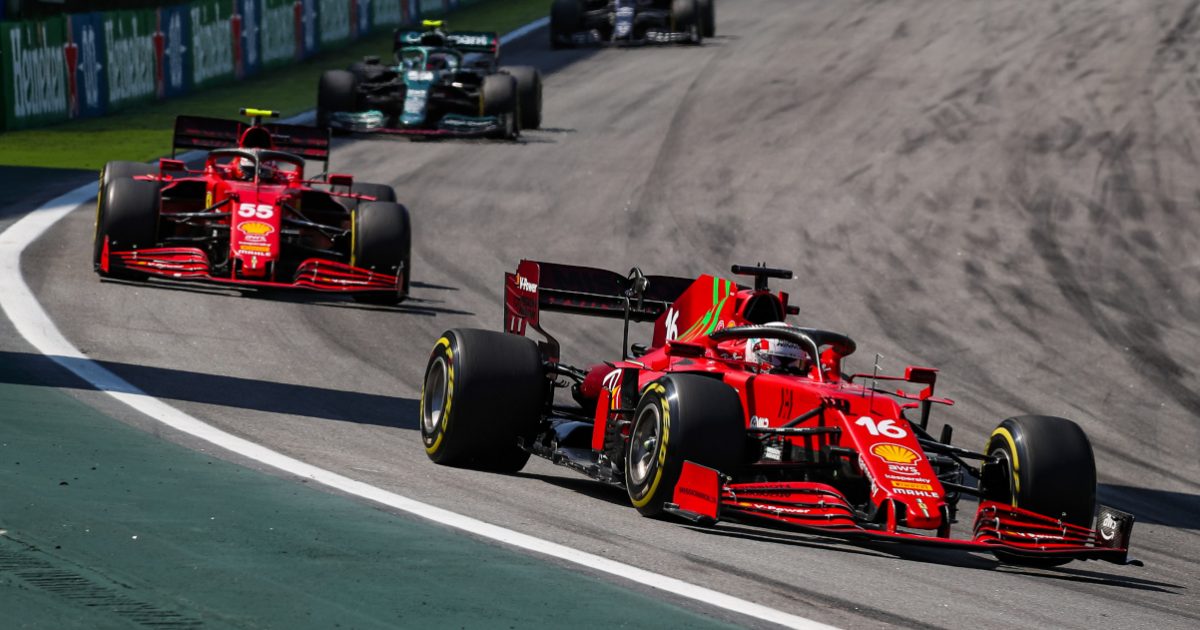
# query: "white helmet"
{"points": [[777, 354]]}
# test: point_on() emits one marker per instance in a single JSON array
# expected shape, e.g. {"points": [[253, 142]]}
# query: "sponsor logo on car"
{"points": [[256, 231], [895, 453], [915, 493], [525, 285], [912, 485]]}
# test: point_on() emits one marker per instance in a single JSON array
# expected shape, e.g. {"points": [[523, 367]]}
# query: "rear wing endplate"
{"points": [[542, 286], [201, 132]]}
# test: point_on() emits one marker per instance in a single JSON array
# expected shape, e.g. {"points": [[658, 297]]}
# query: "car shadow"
{"points": [[413, 305], [20, 368]]}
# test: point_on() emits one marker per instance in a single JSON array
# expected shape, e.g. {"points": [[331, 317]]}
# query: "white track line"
{"points": [[34, 324]]}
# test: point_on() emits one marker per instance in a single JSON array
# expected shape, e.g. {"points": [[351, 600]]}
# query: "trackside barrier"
{"points": [[89, 64]]}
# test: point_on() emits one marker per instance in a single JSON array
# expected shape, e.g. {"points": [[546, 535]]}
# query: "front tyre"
{"points": [[681, 417], [127, 217], [500, 100], [529, 94], [337, 91], [707, 17], [1046, 466], [483, 391], [566, 19], [382, 243], [117, 169]]}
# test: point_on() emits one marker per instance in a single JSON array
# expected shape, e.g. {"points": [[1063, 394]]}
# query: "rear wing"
{"points": [[463, 41], [201, 132], [542, 286]]}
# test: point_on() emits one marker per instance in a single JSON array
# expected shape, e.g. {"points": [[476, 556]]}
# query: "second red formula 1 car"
{"points": [[250, 217], [731, 413]]}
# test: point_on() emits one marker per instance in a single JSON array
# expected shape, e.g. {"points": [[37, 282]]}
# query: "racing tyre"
{"points": [[112, 171], [368, 71], [500, 99], [382, 243], [566, 19], [483, 390], [1046, 466], [681, 417], [686, 18], [708, 17], [127, 215], [529, 94], [337, 91]]}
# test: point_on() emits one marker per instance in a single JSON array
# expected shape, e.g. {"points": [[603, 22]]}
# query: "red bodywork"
{"points": [[886, 487], [254, 211]]}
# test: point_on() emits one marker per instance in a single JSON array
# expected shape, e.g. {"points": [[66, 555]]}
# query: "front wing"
{"points": [[701, 497], [190, 263], [449, 126]]}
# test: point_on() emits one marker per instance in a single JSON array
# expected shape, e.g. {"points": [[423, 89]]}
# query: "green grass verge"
{"points": [[143, 133]]}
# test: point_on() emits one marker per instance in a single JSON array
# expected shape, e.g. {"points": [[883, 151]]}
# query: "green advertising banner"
{"points": [[34, 74], [334, 22], [212, 43], [278, 37], [130, 57]]}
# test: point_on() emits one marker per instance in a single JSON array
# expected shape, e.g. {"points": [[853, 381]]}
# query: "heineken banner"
{"points": [[360, 18], [277, 32], [212, 43], [306, 28], [85, 58], [131, 59], [174, 31], [334, 22], [91, 63], [247, 24], [35, 82]]}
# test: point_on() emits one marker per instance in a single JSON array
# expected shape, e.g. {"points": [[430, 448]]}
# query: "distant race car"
{"points": [[440, 84], [731, 413], [592, 22], [249, 216]]}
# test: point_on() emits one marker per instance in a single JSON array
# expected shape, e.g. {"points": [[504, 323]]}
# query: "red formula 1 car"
{"points": [[730, 413], [250, 217]]}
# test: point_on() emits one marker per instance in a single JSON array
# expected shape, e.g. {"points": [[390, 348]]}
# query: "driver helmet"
{"points": [[777, 355], [242, 168]]}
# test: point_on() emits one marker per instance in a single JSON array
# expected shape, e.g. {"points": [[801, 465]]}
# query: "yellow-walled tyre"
{"points": [[1047, 467], [483, 390], [681, 417]]}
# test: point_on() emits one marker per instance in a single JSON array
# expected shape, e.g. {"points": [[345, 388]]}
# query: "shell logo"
{"points": [[895, 453], [256, 228]]}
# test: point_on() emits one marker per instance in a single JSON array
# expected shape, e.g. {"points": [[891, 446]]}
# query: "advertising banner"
{"points": [[334, 22], [131, 59], [247, 23], [394, 12], [174, 31], [277, 32], [34, 73], [85, 56], [212, 43], [360, 18], [306, 29]]}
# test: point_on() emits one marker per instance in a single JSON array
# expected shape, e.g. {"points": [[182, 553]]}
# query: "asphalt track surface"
{"points": [[1001, 189]]}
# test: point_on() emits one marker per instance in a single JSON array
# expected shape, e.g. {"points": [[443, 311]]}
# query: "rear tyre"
{"points": [[382, 243], [483, 390], [368, 72], [529, 94], [708, 17], [1046, 466], [500, 100], [111, 171], [337, 91], [681, 417], [566, 19], [127, 216]]}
